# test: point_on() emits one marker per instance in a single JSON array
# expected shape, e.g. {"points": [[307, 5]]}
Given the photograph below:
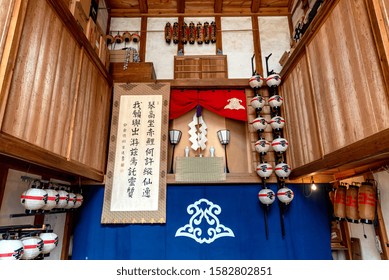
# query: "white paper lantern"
{"points": [[283, 170], [135, 37], [63, 199], [52, 199], [264, 170], [12, 249], [259, 123], [32, 247], [257, 102], [80, 200], [275, 101], [266, 196], [277, 122], [273, 80], [50, 241], [72, 201], [256, 81], [285, 195], [280, 145], [262, 146], [33, 199]]}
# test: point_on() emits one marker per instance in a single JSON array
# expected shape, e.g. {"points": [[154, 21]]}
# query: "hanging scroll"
{"points": [[135, 190]]}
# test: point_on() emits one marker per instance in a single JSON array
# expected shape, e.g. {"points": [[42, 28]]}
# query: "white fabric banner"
{"points": [[136, 171]]}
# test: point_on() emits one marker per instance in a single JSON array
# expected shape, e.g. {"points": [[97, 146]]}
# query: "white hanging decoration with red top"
{"points": [[198, 131]]}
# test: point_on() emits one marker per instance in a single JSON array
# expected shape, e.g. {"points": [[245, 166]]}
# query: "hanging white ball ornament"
{"points": [[11, 249], [266, 196], [256, 81], [32, 247], [262, 146], [275, 101], [280, 145], [282, 170], [257, 102], [79, 200], [273, 80], [33, 199], [50, 241], [285, 195], [264, 170], [277, 122], [259, 123]]}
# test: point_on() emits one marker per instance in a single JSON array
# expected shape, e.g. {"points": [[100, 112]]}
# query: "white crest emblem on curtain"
{"points": [[204, 212], [234, 104]]}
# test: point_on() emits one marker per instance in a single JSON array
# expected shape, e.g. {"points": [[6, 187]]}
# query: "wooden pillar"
{"points": [[257, 45], [346, 239], [3, 181], [381, 232], [219, 40], [180, 44], [379, 226], [143, 39], [67, 235]]}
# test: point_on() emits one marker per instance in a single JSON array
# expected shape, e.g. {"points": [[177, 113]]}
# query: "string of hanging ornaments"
{"points": [[279, 144], [355, 202], [27, 242], [44, 197], [192, 33], [121, 37]]}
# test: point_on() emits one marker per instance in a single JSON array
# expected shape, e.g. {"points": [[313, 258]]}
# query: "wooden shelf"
{"points": [[200, 67], [136, 72], [244, 178]]}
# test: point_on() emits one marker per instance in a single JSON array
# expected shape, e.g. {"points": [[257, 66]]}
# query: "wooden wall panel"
{"points": [[300, 117], [379, 19], [6, 9], [348, 84], [384, 5], [11, 17], [91, 119], [43, 85]]}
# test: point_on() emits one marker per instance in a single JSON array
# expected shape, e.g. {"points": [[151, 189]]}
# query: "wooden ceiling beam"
{"points": [[143, 6], [180, 6], [265, 11], [255, 4]]}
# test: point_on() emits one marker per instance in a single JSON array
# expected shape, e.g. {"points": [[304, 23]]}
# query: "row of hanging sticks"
{"points": [[193, 33]]}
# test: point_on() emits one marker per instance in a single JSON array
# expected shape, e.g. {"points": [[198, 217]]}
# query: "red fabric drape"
{"points": [[227, 103]]}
